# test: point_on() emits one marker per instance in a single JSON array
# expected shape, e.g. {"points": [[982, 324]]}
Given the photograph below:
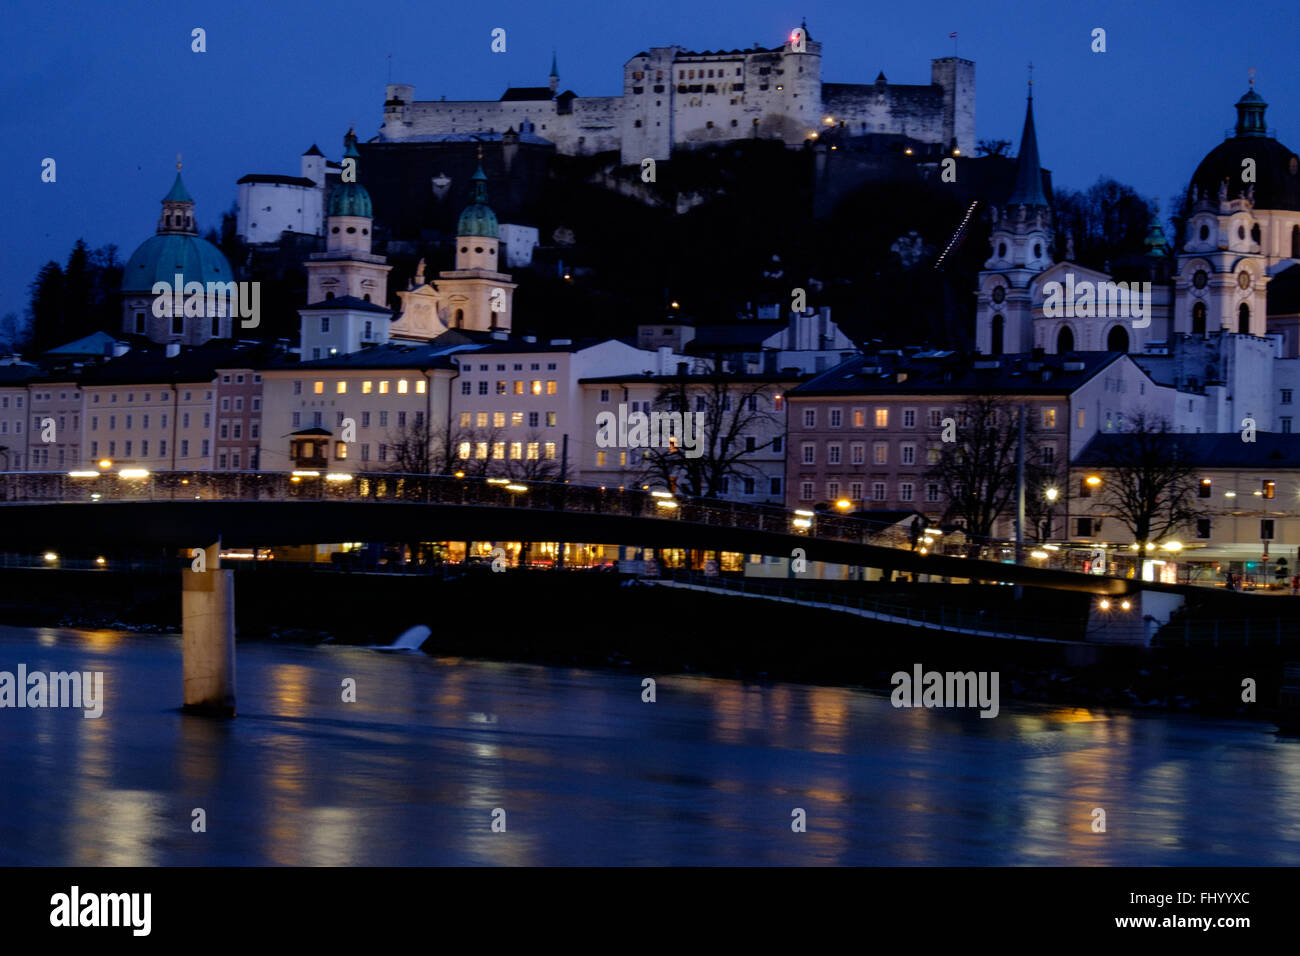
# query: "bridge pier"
{"points": [[1147, 612], [208, 637]]}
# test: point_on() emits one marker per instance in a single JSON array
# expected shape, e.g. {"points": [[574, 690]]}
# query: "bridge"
{"points": [[212, 510]]}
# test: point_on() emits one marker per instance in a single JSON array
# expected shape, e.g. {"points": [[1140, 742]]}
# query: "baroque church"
{"points": [[1219, 316]]}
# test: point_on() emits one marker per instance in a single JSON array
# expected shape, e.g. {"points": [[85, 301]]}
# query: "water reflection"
{"points": [[587, 772]]}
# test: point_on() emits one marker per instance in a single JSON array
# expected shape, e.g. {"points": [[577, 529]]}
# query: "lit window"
{"points": [[517, 419], [383, 388], [481, 450], [464, 419], [481, 420], [401, 386], [600, 459], [319, 388], [550, 387], [499, 450], [532, 450], [536, 387], [1049, 418], [550, 450], [882, 418], [516, 450], [464, 449], [419, 387], [342, 388], [498, 419], [366, 387], [519, 387]]}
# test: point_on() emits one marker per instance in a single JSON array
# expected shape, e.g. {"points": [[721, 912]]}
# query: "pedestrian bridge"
{"points": [[264, 509]]}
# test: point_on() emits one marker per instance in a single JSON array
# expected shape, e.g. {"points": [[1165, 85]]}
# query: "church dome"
{"points": [[175, 249], [350, 198], [478, 219], [1277, 168], [160, 258]]}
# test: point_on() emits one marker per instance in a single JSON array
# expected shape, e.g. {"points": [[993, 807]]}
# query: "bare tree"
{"points": [[978, 472], [532, 464], [734, 409], [1148, 480]]}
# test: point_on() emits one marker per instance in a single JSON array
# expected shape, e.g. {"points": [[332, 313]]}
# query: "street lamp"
{"points": [[1051, 495]]}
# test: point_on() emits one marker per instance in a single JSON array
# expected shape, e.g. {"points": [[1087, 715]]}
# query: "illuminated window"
{"points": [[318, 388], [600, 459], [516, 450], [498, 419], [1268, 488], [465, 418], [550, 387], [342, 388], [516, 419], [401, 386], [501, 388], [550, 450], [859, 418], [536, 387], [464, 449], [481, 420], [550, 419], [383, 388], [481, 450], [533, 450], [367, 386], [1049, 418], [419, 387], [882, 418], [778, 402], [340, 450], [499, 450], [519, 387], [1079, 419]]}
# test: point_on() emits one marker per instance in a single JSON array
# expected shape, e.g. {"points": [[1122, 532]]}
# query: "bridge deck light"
{"points": [[1104, 604], [338, 476], [665, 503], [1093, 481], [844, 504], [306, 474], [51, 556], [101, 562], [804, 512], [105, 463], [83, 474], [498, 481], [1038, 554], [1229, 494], [662, 494], [133, 473], [1125, 605], [96, 496], [516, 487], [460, 474], [1173, 546]]}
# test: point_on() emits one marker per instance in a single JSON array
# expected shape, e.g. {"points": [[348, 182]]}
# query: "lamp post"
{"points": [[1051, 495]]}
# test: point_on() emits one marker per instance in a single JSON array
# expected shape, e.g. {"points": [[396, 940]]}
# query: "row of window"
{"points": [[367, 387], [518, 367], [148, 397], [533, 388], [318, 419], [518, 451], [880, 417], [498, 419], [879, 491], [233, 458], [145, 420], [880, 453], [129, 448], [239, 379]]}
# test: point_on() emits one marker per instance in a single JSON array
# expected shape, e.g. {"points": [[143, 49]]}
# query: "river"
{"points": [[585, 772]]}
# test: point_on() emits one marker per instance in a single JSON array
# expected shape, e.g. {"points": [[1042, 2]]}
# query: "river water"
{"points": [[585, 772]]}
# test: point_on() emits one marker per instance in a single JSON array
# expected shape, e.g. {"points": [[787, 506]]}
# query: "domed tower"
{"points": [[347, 285], [1243, 227], [1021, 240], [175, 253], [477, 229]]}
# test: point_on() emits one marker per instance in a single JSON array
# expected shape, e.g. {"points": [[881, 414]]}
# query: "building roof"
{"points": [[770, 378], [149, 365], [178, 192], [751, 334], [314, 151], [18, 374], [517, 94], [1277, 169], [276, 179], [391, 355], [96, 343], [1269, 450], [952, 373], [347, 302]]}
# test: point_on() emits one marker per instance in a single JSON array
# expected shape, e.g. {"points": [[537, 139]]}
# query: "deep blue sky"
{"points": [[112, 92]]}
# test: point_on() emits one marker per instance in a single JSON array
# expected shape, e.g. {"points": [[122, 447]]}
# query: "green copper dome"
{"points": [[478, 219], [350, 199], [160, 258]]}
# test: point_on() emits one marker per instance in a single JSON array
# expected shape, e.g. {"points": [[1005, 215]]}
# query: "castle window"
{"points": [[335, 229], [367, 296], [1038, 251], [1241, 232], [1243, 319], [351, 230], [464, 248], [478, 250], [216, 327], [365, 232], [1205, 232], [139, 323], [1002, 250], [1065, 340], [638, 124]]}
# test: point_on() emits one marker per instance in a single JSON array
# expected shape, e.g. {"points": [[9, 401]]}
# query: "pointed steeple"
{"points": [[177, 209], [478, 219], [1156, 244], [555, 73], [1029, 175], [1250, 112]]}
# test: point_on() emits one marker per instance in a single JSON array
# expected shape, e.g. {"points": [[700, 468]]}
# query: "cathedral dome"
{"points": [[478, 219], [160, 258], [1277, 168]]}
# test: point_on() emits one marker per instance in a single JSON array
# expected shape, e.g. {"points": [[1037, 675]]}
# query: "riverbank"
{"points": [[599, 619]]}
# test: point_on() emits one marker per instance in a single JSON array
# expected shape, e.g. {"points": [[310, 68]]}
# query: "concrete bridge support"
{"points": [[208, 640], [1136, 625]]}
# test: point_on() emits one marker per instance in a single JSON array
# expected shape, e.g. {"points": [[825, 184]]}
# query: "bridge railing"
{"points": [[92, 485]]}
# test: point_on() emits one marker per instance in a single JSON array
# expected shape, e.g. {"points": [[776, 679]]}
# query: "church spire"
{"points": [[1029, 174], [177, 209], [1250, 112], [555, 73]]}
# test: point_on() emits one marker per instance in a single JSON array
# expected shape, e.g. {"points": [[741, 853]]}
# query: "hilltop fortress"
{"points": [[677, 99]]}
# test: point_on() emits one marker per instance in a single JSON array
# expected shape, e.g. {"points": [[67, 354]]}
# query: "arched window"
{"points": [[1243, 319], [1064, 340], [460, 318], [998, 325], [329, 295], [1117, 340], [1198, 318], [1295, 242]]}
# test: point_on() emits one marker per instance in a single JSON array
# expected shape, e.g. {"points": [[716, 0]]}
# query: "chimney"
{"points": [[665, 359], [173, 349]]}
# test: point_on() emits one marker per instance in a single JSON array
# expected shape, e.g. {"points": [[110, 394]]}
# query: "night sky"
{"points": [[113, 92]]}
